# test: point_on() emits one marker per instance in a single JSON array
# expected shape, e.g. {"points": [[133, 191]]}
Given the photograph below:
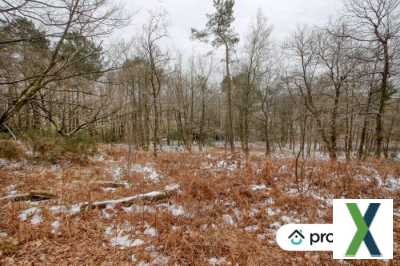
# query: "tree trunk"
{"points": [[230, 134]]}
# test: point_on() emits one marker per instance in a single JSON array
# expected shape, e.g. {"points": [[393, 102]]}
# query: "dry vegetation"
{"points": [[226, 212]]}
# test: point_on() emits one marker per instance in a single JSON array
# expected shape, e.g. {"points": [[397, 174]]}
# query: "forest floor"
{"points": [[226, 209]]}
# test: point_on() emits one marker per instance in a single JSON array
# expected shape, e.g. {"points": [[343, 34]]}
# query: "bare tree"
{"points": [[220, 26], [154, 31], [377, 22], [60, 18], [257, 53]]}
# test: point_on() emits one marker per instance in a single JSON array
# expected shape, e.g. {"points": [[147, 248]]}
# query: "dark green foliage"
{"points": [[53, 149], [83, 54], [24, 29], [10, 150], [219, 25]]}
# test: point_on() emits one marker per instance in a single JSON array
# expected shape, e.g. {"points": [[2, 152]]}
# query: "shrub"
{"points": [[55, 148], [10, 150]]}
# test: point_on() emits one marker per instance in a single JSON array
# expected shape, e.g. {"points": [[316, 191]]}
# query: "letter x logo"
{"points": [[363, 234]]}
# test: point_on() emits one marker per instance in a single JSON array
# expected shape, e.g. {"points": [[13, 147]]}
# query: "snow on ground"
{"points": [[4, 163], [11, 190], [117, 172], [392, 183], [230, 166], [73, 210], [217, 261], [228, 220], [121, 236], [150, 231], [34, 213], [124, 241], [175, 210], [258, 187], [109, 189], [55, 227], [139, 209], [108, 212], [150, 174], [251, 228]]}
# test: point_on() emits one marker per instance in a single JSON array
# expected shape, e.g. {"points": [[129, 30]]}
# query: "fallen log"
{"points": [[151, 196], [110, 184], [31, 196], [127, 201]]}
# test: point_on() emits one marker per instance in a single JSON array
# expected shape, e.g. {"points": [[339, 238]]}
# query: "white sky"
{"points": [[284, 15]]}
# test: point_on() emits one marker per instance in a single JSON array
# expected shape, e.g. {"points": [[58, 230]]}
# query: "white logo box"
{"points": [[344, 229]]}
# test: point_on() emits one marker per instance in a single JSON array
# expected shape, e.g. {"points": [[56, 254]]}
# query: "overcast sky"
{"points": [[284, 15]]}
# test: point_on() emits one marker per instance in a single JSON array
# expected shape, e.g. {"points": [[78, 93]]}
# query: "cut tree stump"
{"points": [[31, 196]]}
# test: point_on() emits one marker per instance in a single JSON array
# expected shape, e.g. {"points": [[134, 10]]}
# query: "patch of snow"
{"points": [[58, 209], [175, 210], [4, 162], [139, 209], [272, 211], [98, 158], [283, 169], [124, 241], [225, 165], [160, 259], [261, 236], [393, 183], [37, 219], [150, 174], [258, 187], [293, 191], [289, 220], [254, 212], [217, 261], [108, 212], [228, 219], [251, 228], [75, 209], [150, 231], [120, 235], [109, 189], [55, 227], [109, 230], [33, 212], [275, 225], [269, 201], [117, 172], [11, 190], [172, 187]]}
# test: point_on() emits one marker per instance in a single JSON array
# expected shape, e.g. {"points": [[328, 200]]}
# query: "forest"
{"points": [[127, 151]]}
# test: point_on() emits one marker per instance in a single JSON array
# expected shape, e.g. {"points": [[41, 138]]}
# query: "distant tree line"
{"points": [[332, 88]]}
